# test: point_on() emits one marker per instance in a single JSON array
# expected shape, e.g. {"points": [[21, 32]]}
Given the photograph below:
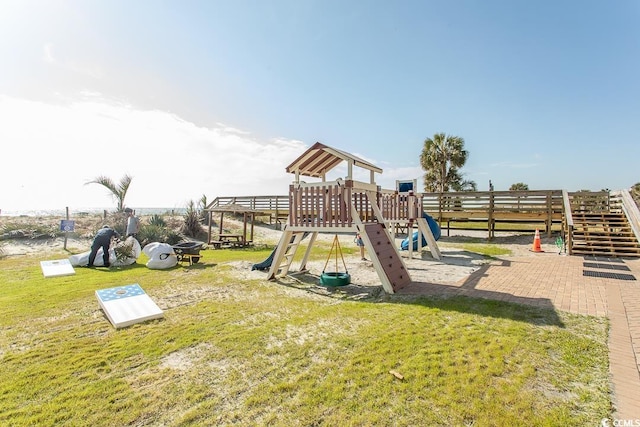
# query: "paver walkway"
{"points": [[583, 285]]}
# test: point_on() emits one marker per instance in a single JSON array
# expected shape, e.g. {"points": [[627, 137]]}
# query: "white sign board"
{"points": [[59, 267], [126, 305]]}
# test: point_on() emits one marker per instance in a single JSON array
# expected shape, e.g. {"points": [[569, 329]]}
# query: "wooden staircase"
{"points": [[602, 224], [603, 234]]}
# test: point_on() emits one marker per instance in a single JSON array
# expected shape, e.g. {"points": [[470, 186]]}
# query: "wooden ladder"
{"points": [[285, 252]]}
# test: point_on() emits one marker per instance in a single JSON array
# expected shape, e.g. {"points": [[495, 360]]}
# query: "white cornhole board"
{"points": [[58, 267], [126, 305]]}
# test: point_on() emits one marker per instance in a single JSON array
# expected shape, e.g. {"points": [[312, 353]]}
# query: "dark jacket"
{"points": [[105, 234]]}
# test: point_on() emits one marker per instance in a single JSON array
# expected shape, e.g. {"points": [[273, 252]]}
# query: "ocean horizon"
{"points": [[87, 211]]}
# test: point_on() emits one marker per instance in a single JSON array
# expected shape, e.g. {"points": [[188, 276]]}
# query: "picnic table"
{"points": [[230, 240]]}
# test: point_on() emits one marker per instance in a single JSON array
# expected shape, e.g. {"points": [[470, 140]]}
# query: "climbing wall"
{"points": [[387, 261]]}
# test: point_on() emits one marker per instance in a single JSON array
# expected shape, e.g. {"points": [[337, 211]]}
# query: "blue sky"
{"points": [[225, 94]]}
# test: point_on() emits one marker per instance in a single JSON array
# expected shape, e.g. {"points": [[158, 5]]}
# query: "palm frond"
{"points": [[118, 192]]}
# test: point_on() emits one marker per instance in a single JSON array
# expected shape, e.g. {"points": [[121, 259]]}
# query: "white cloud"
{"points": [[54, 150], [48, 53], [74, 66]]}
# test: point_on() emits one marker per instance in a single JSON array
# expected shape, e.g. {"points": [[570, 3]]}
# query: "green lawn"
{"points": [[233, 350]]}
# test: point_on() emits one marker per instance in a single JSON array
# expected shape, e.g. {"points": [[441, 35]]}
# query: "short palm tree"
{"points": [[442, 157], [519, 186], [465, 185], [118, 191]]}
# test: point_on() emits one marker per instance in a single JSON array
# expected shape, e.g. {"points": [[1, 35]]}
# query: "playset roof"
{"points": [[319, 159]]}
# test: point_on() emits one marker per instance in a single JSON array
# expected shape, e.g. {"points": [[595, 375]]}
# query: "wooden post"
{"points": [[253, 219], [490, 219], [244, 229], [210, 221], [549, 221], [66, 232]]}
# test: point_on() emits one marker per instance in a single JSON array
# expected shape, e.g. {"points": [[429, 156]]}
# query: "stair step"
{"points": [[603, 234], [590, 236], [629, 247], [606, 248], [601, 224]]}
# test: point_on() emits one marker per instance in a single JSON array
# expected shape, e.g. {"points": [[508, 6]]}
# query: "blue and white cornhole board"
{"points": [[58, 267], [126, 305]]}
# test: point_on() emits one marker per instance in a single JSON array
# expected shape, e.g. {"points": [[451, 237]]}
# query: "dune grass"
{"points": [[233, 350]]}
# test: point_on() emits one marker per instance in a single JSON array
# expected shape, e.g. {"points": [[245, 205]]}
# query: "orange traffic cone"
{"points": [[536, 242]]}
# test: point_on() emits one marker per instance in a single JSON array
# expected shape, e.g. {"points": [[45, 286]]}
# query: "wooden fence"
{"points": [[327, 203]]}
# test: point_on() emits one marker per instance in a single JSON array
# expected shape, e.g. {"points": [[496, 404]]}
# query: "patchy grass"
{"points": [[235, 350], [486, 249]]}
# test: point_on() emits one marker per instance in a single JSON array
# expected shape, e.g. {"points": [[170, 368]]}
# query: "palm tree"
{"points": [[519, 186], [442, 157], [464, 185], [118, 191]]}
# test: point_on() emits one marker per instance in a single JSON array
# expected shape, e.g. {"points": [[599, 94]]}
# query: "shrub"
{"points": [[192, 226], [156, 233], [117, 221], [157, 220], [29, 231]]}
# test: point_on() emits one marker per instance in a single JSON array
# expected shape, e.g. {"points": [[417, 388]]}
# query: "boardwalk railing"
{"points": [[328, 204], [545, 207], [622, 200], [275, 207], [567, 225]]}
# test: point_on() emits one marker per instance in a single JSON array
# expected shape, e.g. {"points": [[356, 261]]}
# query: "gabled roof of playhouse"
{"points": [[319, 159]]}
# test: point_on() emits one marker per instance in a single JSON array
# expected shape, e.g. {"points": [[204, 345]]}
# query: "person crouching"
{"points": [[102, 240]]}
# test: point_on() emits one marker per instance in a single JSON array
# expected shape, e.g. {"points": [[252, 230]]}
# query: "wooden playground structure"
{"points": [[348, 206], [589, 223]]}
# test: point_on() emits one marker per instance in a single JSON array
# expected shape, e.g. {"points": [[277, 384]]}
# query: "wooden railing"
{"points": [[329, 204], [567, 225], [399, 207], [590, 201], [275, 207], [493, 204], [544, 207], [259, 203], [622, 200]]}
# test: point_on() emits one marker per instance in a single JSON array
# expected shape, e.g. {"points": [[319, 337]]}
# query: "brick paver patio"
{"points": [[582, 285]]}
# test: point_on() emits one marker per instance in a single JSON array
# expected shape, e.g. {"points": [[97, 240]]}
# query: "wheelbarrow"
{"points": [[188, 251]]}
